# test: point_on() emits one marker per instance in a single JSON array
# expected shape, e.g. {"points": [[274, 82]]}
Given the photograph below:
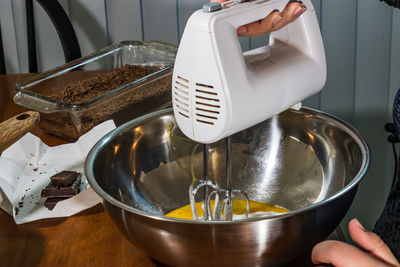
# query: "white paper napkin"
{"points": [[26, 168]]}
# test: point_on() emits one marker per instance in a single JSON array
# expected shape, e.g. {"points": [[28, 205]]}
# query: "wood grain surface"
{"points": [[14, 128], [89, 238]]}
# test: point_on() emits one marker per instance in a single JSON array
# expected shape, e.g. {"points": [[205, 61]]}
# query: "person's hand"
{"points": [[372, 252], [273, 22]]}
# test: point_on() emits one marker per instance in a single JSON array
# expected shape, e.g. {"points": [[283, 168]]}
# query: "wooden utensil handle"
{"points": [[16, 127]]}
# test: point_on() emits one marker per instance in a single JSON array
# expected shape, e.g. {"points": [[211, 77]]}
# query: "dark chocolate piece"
{"points": [[51, 202], [68, 191], [65, 178]]}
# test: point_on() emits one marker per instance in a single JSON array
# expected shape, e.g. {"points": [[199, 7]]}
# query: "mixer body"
{"points": [[218, 90]]}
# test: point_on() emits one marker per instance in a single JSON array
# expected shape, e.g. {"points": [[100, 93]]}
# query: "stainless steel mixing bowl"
{"points": [[306, 161]]}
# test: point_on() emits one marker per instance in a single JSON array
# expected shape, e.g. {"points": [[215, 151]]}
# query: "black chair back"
{"points": [[63, 26], [2, 58], [64, 29]]}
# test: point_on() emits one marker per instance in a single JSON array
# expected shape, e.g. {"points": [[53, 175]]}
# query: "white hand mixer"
{"points": [[217, 90]]}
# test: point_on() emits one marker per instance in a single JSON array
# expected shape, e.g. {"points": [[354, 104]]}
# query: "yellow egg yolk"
{"points": [[239, 207]]}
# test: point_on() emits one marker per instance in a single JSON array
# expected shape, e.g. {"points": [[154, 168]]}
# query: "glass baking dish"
{"points": [[121, 82]]}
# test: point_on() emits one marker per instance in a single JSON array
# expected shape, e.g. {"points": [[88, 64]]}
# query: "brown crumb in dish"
{"points": [[87, 89], [121, 108]]}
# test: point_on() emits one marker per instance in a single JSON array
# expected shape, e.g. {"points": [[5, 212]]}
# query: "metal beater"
{"points": [[223, 198]]}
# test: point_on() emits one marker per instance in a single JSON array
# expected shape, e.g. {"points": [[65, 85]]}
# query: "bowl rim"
{"points": [[135, 122]]}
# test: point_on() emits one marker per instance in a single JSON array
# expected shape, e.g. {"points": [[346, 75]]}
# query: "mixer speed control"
{"points": [[211, 7]]}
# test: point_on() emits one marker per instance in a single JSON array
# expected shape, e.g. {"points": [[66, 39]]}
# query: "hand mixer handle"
{"points": [[247, 12], [303, 34]]}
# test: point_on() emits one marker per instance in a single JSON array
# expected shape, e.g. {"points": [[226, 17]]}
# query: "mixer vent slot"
{"points": [[204, 85], [205, 122], [184, 115], [207, 109], [182, 96]]}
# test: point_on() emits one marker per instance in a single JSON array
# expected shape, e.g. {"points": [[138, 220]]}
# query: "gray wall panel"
{"points": [[259, 41], [18, 10], [89, 20], [339, 37], [9, 36], [371, 98], [160, 20], [47, 40], [123, 20]]}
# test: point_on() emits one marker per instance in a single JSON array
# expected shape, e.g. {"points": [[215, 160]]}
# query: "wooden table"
{"points": [[89, 238]]}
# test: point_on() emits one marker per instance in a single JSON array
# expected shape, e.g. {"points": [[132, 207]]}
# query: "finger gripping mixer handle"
{"points": [[298, 31], [247, 13], [218, 90]]}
